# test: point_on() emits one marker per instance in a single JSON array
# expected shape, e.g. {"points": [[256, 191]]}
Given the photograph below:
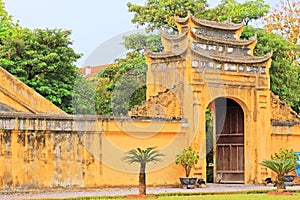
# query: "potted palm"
{"points": [[188, 158], [142, 156], [282, 163]]}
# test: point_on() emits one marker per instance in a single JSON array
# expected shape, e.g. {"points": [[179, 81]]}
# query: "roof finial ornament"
{"points": [[229, 20], [189, 14]]}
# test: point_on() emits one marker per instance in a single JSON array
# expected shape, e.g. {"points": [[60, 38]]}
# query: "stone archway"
{"points": [[229, 143]]}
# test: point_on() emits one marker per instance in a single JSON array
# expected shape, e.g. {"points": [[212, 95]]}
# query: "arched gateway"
{"points": [[207, 64], [229, 141]]}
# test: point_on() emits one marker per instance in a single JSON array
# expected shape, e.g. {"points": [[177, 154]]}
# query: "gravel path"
{"points": [[60, 193]]}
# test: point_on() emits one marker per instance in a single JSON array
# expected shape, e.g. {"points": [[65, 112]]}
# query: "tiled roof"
{"points": [[214, 56], [164, 54], [90, 71], [179, 38], [233, 58], [225, 40], [227, 25], [174, 38], [218, 25]]}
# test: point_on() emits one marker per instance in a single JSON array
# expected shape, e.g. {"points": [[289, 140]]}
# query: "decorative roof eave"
{"points": [[218, 25], [225, 41], [236, 59], [184, 20], [165, 54], [174, 38], [227, 25]]}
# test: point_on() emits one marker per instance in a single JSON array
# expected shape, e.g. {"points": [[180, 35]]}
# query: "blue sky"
{"points": [[97, 26]]}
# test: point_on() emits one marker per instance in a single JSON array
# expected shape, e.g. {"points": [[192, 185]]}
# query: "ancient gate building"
{"points": [[205, 66]]}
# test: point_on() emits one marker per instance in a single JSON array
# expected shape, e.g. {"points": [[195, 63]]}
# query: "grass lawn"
{"points": [[295, 196], [234, 197]]}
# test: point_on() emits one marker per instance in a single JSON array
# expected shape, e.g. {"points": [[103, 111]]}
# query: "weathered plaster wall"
{"points": [[284, 135], [53, 151]]}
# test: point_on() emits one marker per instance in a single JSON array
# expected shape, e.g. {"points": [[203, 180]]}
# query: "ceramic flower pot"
{"points": [[188, 183], [288, 179]]}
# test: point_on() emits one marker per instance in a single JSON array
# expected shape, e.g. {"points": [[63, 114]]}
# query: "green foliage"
{"points": [[284, 75], [280, 166], [139, 155], [285, 154], [121, 87], [44, 60], [6, 23], [209, 145], [160, 13], [187, 159], [281, 163], [139, 42], [246, 11], [83, 96]]}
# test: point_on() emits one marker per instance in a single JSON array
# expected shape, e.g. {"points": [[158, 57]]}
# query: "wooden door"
{"points": [[229, 142]]}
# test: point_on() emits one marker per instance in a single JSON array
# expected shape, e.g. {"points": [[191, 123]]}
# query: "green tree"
{"points": [[142, 156], [119, 88], [44, 60], [187, 159], [284, 19], [139, 42], [84, 97], [283, 73], [158, 13], [6, 23], [246, 11]]}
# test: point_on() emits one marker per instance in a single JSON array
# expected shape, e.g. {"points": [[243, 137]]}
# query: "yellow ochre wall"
{"points": [[49, 152], [68, 154]]}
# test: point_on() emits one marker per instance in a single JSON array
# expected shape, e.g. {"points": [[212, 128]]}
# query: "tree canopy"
{"points": [[139, 42], [120, 87], [246, 11], [6, 23], [284, 76], [156, 14], [42, 58]]}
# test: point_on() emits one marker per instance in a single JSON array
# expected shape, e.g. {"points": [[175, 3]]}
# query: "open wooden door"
{"points": [[229, 141]]}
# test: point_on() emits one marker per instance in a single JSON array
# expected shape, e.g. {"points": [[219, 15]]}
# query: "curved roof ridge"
{"points": [[184, 19], [165, 54], [226, 41], [235, 59], [174, 38], [227, 25]]}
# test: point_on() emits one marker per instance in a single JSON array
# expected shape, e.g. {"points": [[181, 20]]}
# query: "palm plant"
{"points": [[281, 163], [142, 156]]}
